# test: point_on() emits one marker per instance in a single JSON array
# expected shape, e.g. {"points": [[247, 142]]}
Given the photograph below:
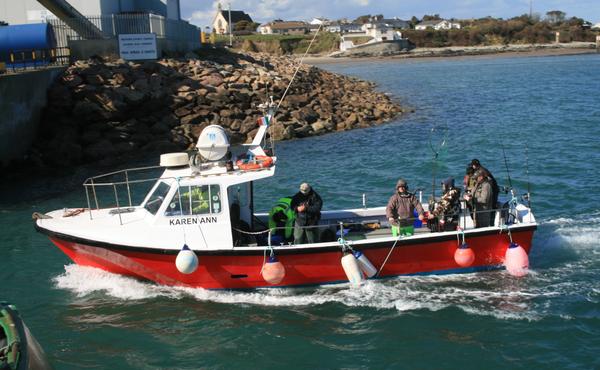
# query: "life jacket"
{"points": [[283, 207]]}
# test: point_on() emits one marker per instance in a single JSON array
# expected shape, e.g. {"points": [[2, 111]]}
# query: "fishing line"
{"points": [[436, 149], [527, 173]]}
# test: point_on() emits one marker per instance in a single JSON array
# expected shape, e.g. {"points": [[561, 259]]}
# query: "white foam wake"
{"points": [[491, 294]]}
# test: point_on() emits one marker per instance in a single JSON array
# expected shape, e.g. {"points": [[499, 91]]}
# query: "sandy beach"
{"points": [[574, 48]]}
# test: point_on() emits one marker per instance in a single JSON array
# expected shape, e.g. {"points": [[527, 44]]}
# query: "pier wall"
{"points": [[22, 98]]}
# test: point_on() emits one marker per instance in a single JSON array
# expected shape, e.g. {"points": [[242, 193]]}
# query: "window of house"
{"points": [[195, 200]]}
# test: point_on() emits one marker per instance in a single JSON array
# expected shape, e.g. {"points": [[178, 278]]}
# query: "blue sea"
{"points": [[542, 112]]}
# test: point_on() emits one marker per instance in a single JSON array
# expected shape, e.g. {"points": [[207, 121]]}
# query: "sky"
{"points": [[201, 12]]}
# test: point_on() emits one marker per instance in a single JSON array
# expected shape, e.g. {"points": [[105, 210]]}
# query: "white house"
{"points": [[221, 20], [319, 21], [284, 28], [377, 32], [437, 25]]}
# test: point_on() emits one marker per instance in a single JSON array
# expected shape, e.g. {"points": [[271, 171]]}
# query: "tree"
{"points": [[245, 26], [363, 19], [555, 16], [414, 21], [435, 17]]}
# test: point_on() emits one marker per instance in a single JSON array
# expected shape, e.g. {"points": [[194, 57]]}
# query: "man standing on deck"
{"points": [[493, 183], [307, 205], [482, 199], [400, 208]]}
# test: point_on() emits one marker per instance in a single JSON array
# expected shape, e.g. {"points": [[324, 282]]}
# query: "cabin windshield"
{"points": [[195, 200], [157, 197]]}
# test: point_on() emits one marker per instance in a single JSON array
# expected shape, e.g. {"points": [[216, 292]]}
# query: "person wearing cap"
{"points": [[447, 210], [476, 165], [400, 209], [482, 200], [307, 205]]}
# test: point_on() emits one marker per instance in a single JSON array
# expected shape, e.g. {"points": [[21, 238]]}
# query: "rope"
{"points": [[388, 256], [297, 69]]}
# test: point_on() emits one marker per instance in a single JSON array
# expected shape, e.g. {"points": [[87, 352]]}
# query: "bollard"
{"points": [[598, 44]]}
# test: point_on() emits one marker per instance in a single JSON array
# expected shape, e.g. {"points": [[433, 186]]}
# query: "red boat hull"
{"points": [[239, 269]]}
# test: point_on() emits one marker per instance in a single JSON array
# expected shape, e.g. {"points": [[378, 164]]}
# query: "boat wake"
{"points": [[494, 294]]}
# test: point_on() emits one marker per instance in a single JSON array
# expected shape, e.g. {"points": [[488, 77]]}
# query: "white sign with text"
{"points": [[139, 46]]}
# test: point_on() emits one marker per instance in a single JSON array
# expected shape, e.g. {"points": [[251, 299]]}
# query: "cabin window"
{"points": [[195, 200], [157, 197]]}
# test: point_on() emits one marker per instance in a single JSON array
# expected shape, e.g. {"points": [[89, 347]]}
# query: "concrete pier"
{"points": [[22, 98]]}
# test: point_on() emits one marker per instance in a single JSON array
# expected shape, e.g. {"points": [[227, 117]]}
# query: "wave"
{"points": [[495, 294]]}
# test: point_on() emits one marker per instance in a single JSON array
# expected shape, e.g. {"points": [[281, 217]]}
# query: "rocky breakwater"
{"points": [[102, 110]]}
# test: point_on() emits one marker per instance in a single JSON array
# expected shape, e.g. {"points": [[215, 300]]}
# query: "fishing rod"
{"points": [[528, 196], [507, 171]]}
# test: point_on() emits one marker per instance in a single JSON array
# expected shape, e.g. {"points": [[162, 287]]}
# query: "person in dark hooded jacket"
{"points": [[476, 165], [447, 210], [400, 208], [307, 205]]}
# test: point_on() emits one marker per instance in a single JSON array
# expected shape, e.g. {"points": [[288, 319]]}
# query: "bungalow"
{"points": [[395, 23], [339, 27], [284, 28], [437, 25], [221, 21]]}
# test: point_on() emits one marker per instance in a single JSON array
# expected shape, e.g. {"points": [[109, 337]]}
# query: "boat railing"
{"points": [[97, 187], [359, 228]]}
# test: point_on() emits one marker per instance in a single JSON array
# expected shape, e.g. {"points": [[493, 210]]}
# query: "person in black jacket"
{"points": [[307, 206], [494, 184]]}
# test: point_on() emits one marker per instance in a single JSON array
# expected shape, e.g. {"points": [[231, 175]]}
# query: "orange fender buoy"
{"points": [[464, 256], [273, 271]]}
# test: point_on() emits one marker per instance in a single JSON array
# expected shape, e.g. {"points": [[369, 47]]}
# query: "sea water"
{"points": [[543, 111]]}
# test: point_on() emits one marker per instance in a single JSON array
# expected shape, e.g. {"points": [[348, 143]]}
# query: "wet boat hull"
{"points": [[240, 268]]}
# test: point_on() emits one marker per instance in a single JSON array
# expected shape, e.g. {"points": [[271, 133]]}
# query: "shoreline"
{"points": [[421, 54]]}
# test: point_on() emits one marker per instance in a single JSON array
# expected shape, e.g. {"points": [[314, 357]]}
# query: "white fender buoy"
{"points": [[186, 261], [273, 271], [516, 260], [464, 256], [353, 273], [365, 265]]}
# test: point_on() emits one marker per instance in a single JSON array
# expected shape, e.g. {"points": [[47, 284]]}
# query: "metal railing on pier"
{"points": [[116, 24]]}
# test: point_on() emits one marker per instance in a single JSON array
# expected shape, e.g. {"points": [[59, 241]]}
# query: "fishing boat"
{"points": [[197, 227], [19, 350]]}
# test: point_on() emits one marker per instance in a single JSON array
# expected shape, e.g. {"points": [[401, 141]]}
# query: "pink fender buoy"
{"points": [[516, 261], [464, 256], [273, 271]]}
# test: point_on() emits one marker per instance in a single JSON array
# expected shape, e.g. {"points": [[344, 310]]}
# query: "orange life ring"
{"points": [[260, 161]]}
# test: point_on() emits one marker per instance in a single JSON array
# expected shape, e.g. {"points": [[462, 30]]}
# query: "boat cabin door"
{"points": [[240, 206]]}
